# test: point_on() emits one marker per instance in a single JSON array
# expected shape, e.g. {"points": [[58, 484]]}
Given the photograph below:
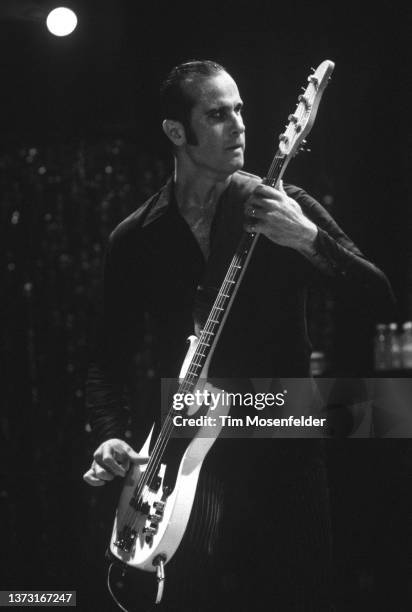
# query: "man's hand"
{"points": [[280, 218], [111, 459]]}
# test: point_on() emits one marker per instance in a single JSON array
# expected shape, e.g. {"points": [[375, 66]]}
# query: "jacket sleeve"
{"points": [[339, 258], [119, 335]]}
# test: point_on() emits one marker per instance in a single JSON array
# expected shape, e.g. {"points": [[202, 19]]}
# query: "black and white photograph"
{"points": [[206, 313]]}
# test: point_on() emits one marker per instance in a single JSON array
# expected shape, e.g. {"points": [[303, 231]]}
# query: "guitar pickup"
{"points": [[139, 505], [155, 483]]}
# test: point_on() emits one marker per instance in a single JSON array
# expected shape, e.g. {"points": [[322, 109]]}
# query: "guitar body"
{"points": [[153, 527]]}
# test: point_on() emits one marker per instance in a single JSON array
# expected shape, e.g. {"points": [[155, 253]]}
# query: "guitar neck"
{"points": [[227, 292]]}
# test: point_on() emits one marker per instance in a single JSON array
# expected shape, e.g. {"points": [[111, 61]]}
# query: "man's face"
{"points": [[216, 121]]}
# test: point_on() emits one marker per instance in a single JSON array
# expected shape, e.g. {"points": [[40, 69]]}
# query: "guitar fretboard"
{"points": [[222, 303]]}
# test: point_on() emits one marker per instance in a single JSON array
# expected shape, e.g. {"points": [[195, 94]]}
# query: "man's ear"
{"points": [[175, 131]]}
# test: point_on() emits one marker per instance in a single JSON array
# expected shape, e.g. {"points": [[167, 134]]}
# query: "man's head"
{"points": [[202, 115], [177, 95]]}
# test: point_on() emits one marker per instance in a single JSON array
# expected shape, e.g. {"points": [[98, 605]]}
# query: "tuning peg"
{"points": [[301, 150], [303, 88], [313, 69], [315, 82], [304, 101]]}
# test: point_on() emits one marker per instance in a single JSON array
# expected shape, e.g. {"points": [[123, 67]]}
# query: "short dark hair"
{"points": [[176, 100]]}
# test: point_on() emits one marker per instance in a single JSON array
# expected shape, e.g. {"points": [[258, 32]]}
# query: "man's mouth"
{"points": [[235, 146]]}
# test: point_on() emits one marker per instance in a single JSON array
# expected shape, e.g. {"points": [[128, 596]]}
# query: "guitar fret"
{"points": [[188, 390], [213, 321]]}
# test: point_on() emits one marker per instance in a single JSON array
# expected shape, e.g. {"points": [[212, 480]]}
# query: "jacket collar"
{"points": [[160, 203], [164, 200]]}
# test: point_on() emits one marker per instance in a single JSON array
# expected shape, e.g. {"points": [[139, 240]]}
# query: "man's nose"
{"points": [[238, 126]]}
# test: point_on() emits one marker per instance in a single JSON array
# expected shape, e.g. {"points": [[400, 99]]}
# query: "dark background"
{"points": [[81, 146]]}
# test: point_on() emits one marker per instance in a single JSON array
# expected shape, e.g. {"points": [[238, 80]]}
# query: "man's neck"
{"points": [[197, 192]]}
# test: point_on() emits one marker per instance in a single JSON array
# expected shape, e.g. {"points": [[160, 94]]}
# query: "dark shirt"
{"points": [[155, 265]]}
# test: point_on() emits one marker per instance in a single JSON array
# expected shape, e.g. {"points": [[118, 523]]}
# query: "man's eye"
{"points": [[216, 114]]}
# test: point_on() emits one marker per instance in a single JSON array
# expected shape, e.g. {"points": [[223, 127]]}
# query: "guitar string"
{"points": [[168, 426], [186, 385], [166, 430], [213, 315], [209, 328]]}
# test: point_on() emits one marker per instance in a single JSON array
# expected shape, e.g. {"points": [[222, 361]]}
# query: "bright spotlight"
{"points": [[61, 21]]}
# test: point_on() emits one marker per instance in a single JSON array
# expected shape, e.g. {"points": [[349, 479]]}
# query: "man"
{"points": [[168, 259]]}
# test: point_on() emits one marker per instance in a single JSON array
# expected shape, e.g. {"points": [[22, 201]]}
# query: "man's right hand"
{"points": [[112, 458]]}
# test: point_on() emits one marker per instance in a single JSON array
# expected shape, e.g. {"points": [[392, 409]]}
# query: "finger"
{"points": [[126, 454], [262, 206], [101, 472], [109, 462], [267, 192], [136, 458], [264, 202], [91, 479]]}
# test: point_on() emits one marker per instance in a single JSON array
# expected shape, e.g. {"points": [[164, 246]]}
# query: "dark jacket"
{"points": [[154, 265]]}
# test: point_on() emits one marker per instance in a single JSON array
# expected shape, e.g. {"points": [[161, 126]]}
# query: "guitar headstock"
{"points": [[301, 121]]}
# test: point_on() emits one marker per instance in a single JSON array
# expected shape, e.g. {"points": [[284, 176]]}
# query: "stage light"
{"points": [[61, 21]]}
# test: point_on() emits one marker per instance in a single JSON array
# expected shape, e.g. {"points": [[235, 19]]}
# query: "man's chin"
{"points": [[237, 162], [231, 168]]}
